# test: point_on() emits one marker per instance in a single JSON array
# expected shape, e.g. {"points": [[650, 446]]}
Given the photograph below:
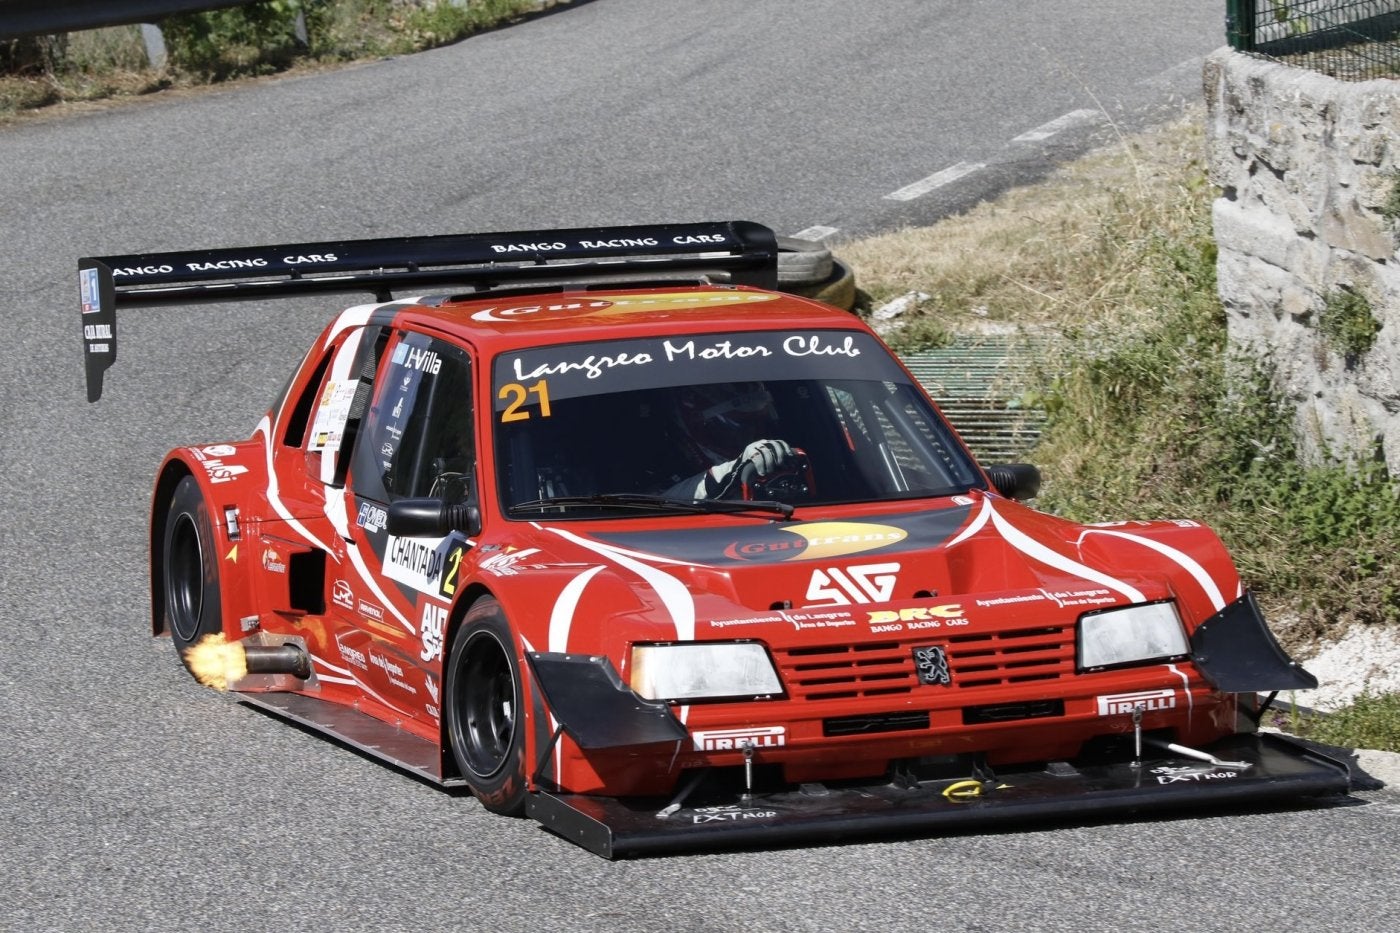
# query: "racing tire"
{"points": [[837, 289], [190, 569], [485, 728], [801, 262], [809, 270]]}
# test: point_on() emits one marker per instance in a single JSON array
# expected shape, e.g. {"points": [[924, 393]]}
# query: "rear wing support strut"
{"points": [[736, 252]]}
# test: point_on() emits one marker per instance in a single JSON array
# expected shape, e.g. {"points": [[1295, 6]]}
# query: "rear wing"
{"points": [[739, 252]]}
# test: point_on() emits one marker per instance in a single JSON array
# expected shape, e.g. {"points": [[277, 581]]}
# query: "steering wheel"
{"points": [[794, 483]]}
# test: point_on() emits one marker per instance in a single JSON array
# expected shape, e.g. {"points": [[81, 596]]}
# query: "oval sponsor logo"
{"points": [[816, 540], [618, 304]]}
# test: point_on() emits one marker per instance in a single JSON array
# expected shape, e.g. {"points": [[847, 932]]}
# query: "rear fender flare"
{"points": [[236, 603]]}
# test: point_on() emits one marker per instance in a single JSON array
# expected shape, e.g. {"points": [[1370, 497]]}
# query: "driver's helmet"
{"points": [[721, 418]]}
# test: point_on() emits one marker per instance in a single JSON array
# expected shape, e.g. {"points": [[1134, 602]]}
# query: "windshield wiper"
{"points": [[655, 503]]}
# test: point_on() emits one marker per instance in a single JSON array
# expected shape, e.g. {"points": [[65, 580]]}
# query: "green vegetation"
{"points": [[243, 41], [1347, 324], [1150, 413], [1372, 721]]}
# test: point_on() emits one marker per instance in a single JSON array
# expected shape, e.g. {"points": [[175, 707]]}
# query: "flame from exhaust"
{"points": [[216, 662]]}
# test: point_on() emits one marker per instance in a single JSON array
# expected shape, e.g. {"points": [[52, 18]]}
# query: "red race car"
{"points": [[616, 534]]}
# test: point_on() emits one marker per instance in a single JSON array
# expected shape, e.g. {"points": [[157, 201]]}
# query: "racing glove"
{"points": [[767, 456]]}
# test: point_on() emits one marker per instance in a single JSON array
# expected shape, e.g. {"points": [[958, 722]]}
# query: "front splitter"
{"points": [[622, 828]]}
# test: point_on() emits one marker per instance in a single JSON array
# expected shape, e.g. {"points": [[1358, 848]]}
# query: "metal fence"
{"points": [[1353, 40]]}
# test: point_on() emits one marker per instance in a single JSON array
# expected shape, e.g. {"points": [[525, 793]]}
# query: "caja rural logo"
{"points": [[814, 541]]}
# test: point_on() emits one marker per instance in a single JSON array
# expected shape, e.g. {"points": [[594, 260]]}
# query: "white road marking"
{"points": [[1058, 125], [814, 234], [936, 180]]}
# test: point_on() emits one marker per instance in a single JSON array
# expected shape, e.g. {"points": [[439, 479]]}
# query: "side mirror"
{"points": [[432, 518], [1019, 481]]}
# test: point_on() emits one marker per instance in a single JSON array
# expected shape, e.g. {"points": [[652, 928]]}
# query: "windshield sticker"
{"points": [[516, 395], [331, 415], [623, 365]]}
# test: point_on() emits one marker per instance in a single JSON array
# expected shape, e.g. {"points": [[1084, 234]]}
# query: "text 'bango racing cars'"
{"points": [[616, 534]]}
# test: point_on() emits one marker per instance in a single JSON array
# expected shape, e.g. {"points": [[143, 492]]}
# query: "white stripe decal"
{"points": [[367, 578], [976, 525], [1185, 688], [677, 599], [561, 619], [353, 317], [1190, 566], [353, 679], [329, 666], [558, 753], [643, 555], [274, 492], [1037, 551], [673, 593]]}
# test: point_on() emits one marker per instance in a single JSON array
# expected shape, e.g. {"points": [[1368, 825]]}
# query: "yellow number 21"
{"points": [[516, 394]]}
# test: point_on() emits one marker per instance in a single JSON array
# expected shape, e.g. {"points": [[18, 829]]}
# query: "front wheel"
{"points": [[190, 569], [485, 726]]}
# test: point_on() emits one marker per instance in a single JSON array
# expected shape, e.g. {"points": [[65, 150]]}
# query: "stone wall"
{"points": [[1309, 221]]}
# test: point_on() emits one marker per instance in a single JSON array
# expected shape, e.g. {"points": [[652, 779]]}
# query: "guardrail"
{"points": [[19, 18]]}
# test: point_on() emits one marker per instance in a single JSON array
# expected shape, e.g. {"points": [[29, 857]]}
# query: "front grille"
{"points": [[869, 725], [1017, 656], [1007, 712], [835, 672], [1012, 657]]}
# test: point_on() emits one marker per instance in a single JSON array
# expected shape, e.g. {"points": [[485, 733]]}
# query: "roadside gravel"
{"points": [[1365, 658]]}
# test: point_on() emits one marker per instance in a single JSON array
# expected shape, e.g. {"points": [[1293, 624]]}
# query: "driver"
{"points": [[728, 425]]}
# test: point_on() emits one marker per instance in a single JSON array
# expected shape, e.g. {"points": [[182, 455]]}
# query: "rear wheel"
{"points": [[191, 569], [485, 726]]}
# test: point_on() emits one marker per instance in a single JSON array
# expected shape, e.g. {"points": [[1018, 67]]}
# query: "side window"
{"points": [[416, 439], [327, 415]]}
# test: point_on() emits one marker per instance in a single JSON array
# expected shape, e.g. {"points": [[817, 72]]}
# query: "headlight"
{"points": [[1130, 636], [702, 671]]}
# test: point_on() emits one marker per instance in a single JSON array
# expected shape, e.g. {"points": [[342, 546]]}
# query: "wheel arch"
{"points": [[460, 607]]}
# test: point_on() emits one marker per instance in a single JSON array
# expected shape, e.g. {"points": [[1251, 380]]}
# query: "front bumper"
{"points": [[621, 828]]}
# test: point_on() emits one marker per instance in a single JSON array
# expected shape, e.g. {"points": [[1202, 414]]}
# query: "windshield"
{"points": [[798, 418]]}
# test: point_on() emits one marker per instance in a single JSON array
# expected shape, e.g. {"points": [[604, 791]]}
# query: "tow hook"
{"points": [[1199, 755], [749, 754]]}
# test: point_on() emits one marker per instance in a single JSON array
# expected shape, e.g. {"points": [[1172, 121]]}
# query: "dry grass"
{"points": [[1054, 254]]}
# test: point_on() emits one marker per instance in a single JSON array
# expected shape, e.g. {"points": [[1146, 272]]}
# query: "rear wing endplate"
{"points": [[737, 252]]}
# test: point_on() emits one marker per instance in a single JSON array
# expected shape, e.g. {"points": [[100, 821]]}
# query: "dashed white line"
{"points": [[814, 233], [936, 180], [1058, 125]]}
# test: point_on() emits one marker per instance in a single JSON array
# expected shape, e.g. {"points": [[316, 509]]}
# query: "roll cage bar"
{"points": [[737, 252]]}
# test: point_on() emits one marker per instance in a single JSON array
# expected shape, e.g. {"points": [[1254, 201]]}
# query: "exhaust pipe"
{"points": [[278, 659]]}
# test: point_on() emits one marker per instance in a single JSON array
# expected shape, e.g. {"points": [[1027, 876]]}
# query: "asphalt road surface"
{"points": [[133, 799]]}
